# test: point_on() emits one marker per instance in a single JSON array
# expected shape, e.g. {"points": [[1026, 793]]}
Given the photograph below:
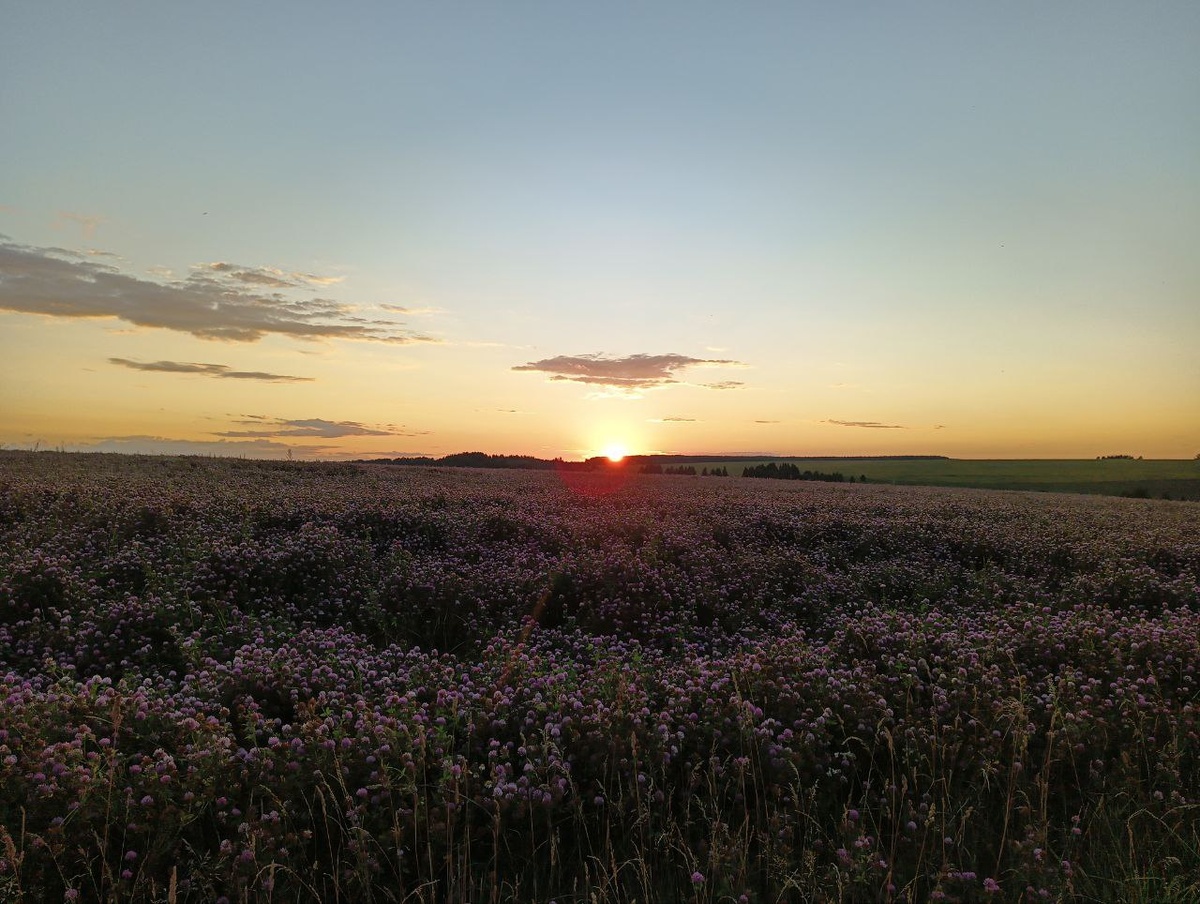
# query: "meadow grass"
{"points": [[242, 682], [1180, 479]]}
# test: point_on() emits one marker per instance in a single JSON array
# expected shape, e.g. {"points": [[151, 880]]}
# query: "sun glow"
{"points": [[614, 452]]}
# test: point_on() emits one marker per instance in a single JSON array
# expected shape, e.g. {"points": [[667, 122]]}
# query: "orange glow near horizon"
{"points": [[615, 452]]}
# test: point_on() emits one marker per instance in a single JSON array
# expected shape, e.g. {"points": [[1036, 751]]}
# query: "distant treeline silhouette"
{"points": [[484, 460], [654, 467], [646, 464], [510, 462], [471, 460], [787, 471]]}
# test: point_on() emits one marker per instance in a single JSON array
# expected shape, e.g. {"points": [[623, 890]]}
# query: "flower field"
{"points": [[233, 681]]}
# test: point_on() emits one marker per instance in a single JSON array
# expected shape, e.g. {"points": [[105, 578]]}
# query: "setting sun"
{"points": [[615, 452]]}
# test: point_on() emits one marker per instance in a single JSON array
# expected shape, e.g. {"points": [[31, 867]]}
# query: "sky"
{"points": [[567, 229]]}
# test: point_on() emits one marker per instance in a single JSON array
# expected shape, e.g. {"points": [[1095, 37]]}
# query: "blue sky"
{"points": [[972, 227]]}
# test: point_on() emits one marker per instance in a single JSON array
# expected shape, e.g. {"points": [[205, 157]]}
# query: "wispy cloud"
{"points": [[673, 420], [88, 223], [724, 384], [208, 304], [768, 422], [623, 374], [208, 370], [411, 312], [263, 426], [874, 425], [270, 277], [161, 445]]}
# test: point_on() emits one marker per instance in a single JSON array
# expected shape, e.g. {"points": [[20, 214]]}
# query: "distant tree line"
{"points": [[645, 464], [509, 462], [472, 460], [653, 467], [1111, 457], [787, 471]]}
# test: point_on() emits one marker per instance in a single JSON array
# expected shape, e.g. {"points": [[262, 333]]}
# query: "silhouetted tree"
{"points": [[789, 471]]}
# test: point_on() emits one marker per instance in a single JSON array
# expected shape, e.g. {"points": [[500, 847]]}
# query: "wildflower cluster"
{"points": [[242, 680]]}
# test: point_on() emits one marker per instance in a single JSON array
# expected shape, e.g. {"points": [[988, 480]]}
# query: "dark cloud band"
{"points": [[263, 427], [221, 371], [874, 425]]}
